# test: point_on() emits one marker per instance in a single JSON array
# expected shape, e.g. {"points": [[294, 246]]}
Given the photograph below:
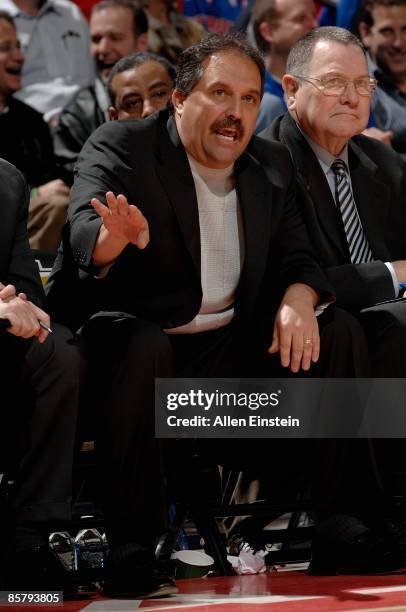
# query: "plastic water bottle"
{"points": [[90, 549], [61, 542]]}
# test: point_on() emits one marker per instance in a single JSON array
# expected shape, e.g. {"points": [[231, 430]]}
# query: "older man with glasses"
{"points": [[352, 194]]}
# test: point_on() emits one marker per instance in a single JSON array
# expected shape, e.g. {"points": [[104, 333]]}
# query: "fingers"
{"points": [[299, 346], [23, 323], [285, 346], [100, 208], [115, 205], [7, 292], [274, 348], [42, 316], [297, 352], [123, 207], [139, 221], [24, 318], [316, 345], [307, 352], [42, 335]]}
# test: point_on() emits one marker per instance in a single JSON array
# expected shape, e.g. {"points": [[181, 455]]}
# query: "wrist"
{"points": [[303, 292], [108, 247]]}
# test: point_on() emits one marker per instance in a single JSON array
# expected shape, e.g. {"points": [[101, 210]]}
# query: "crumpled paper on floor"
{"points": [[248, 562]]}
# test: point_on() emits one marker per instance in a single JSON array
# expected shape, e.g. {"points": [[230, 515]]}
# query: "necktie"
{"points": [[360, 251]]}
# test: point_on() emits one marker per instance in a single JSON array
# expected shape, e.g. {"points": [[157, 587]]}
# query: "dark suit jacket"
{"points": [[379, 185], [17, 265], [80, 117], [146, 161]]}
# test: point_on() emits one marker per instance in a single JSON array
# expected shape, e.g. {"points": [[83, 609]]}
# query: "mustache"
{"points": [[227, 123]]}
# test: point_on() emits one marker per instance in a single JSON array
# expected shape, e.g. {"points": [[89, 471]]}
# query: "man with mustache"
{"points": [[185, 244], [351, 190], [382, 29]]}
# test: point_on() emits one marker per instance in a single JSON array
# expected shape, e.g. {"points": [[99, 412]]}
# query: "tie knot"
{"points": [[339, 167]]}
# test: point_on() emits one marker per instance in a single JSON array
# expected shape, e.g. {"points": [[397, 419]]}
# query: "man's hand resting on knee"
{"points": [[22, 314], [296, 331]]}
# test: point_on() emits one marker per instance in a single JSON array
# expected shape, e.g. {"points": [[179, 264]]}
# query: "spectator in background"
{"points": [[55, 40], [277, 25], [383, 32], [170, 32], [26, 143], [117, 28], [140, 85], [215, 16]]}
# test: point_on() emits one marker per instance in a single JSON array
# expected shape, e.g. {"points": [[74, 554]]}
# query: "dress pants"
{"points": [[126, 354], [385, 328], [41, 390]]}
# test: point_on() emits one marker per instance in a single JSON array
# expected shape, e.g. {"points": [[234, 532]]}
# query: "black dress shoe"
{"points": [[132, 573], [345, 545]]}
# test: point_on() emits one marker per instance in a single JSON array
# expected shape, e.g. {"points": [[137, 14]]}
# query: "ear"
{"points": [[178, 101], [142, 43], [290, 87], [113, 113], [365, 34], [266, 30]]}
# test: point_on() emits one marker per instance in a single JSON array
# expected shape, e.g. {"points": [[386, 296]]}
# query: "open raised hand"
{"points": [[122, 220]]}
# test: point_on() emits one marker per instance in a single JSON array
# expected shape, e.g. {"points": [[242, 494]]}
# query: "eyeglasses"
{"points": [[336, 86]]}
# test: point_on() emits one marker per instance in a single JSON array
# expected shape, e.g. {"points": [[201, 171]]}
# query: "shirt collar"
{"points": [[15, 11], [325, 158], [383, 77]]}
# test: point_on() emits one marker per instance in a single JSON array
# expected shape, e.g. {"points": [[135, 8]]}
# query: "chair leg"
{"points": [[214, 543]]}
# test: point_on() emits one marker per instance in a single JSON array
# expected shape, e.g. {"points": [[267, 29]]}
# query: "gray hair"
{"points": [[302, 51]]}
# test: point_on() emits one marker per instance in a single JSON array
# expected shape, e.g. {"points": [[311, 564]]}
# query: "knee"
{"points": [[64, 363], [344, 327], [344, 341], [147, 342]]}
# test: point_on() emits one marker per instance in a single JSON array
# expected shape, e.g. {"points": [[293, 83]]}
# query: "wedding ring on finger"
{"points": [[307, 340]]}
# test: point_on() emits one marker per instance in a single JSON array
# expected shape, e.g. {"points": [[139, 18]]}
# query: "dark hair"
{"points": [[263, 10], [131, 61], [368, 5], [7, 17], [302, 51], [140, 19], [190, 64]]}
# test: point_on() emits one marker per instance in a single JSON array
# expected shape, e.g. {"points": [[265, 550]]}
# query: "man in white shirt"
{"points": [[54, 38], [215, 277]]}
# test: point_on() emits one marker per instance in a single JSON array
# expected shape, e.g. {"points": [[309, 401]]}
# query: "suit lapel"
{"points": [[314, 185], [255, 199], [371, 197], [176, 178]]}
